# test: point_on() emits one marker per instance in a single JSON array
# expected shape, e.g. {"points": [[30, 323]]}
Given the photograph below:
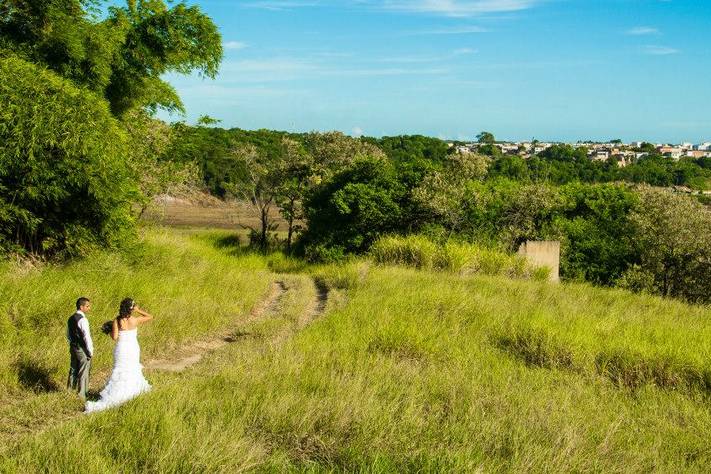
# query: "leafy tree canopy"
{"points": [[64, 183], [122, 56]]}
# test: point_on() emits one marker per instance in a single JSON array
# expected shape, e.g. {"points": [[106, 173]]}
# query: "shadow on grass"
{"points": [[277, 260], [232, 244], [536, 349], [625, 368], [36, 376], [237, 336], [632, 370]]}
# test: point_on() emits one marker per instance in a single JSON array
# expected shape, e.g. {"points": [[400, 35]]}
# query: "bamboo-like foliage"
{"points": [[64, 184]]}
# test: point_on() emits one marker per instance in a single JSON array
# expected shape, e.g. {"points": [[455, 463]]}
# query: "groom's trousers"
{"points": [[79, 371]]}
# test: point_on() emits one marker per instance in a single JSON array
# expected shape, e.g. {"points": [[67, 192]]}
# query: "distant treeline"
{"points": [[615, 228], [562, 164], [559, 164]]}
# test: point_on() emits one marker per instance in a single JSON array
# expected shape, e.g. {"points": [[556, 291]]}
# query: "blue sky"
{"points": [[550, 69]]}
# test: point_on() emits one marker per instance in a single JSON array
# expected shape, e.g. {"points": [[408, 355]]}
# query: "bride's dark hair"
{"points": [[125, 309]]}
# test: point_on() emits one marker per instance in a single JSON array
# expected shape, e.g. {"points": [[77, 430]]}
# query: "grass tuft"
{"points": [[536, 348], [419, 252]]}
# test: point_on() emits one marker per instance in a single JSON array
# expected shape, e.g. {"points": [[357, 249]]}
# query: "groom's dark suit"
{"points": [[81, 349]]}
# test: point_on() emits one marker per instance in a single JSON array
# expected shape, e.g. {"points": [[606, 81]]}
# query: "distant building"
{"points": [[601, 155], [672, 152], [697, 153]]}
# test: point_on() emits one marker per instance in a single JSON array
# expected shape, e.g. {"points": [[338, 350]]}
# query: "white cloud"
{"points": [[454, 8], [288, 69], [659, 50], [357, 132], [463, 51], [458, 8], [454, 30], [277, 5], [642, 31], [234, 45], [428, 58]]}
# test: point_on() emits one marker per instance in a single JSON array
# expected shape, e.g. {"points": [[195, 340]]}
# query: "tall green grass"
{"points": [[190, 285], [420, 252], [422, 372]]}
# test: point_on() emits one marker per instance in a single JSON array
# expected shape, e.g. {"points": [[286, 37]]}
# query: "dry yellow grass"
{"points": [[207, 213]]}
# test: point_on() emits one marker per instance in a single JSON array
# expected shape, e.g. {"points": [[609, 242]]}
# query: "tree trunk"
{"points": [[265, 225], [291, 227]]}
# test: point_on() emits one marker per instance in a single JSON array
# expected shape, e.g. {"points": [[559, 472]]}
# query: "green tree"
{"points": [[159, 40], [296, 176], [149, 139], [259, 186], [646, 148], [672, 235], [334, 151], [64, 183], [487, 144], [445, 195], [594, 225], [508, 166], [122, 57], [350, 211], [485, 138]]}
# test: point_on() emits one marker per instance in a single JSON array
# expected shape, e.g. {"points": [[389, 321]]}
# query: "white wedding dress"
{"points": [[127, 379]]}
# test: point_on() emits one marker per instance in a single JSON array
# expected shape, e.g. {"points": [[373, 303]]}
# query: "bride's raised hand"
{"points": [[144, 317]]}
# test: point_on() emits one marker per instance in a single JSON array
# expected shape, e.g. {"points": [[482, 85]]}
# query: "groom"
{"points": [[81, 348]]}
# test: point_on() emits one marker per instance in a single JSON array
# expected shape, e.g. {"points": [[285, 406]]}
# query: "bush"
{"points": [[324, 254], [419, 252], [674, 242], [351, 210], [413, 251], [64, 184], [596, 231]]}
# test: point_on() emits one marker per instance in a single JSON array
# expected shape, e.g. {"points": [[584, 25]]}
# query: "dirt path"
{"points": [[193, 353]]}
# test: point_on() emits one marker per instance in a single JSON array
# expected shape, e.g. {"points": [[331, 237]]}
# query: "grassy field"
{"points": [[407, 371], [184, 279]]}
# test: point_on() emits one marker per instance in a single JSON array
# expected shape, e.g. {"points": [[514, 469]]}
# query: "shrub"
{"points": [[413, 251], [324, 254], [419, 252], [64, 185], [632, 370], [339, 277], [674, 242], [536, 348], [354, 208], [597, 233]]}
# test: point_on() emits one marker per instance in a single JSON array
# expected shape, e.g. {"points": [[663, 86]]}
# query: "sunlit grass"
{"points": [[421, 371], [190, 286]]}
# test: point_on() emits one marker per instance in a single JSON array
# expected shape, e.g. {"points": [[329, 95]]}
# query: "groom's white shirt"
{"points": [[86, 332]]}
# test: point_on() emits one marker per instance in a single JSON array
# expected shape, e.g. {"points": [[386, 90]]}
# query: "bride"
{"points": [[127, 379]]}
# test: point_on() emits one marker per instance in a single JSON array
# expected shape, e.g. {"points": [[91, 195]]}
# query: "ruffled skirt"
{"points": [[126, 381]]}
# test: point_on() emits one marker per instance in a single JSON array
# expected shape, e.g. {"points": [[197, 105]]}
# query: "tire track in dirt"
{"points": [[270, 306], [315, 309], [193, 353]]}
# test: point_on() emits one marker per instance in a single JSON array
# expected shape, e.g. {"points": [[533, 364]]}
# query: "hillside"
{"points": [[404, 371]]}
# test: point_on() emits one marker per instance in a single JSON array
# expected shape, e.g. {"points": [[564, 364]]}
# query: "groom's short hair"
{"points": [[81, 302]]}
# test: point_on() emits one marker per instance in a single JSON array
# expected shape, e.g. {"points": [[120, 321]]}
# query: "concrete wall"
{"points": [[543, 254]]}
